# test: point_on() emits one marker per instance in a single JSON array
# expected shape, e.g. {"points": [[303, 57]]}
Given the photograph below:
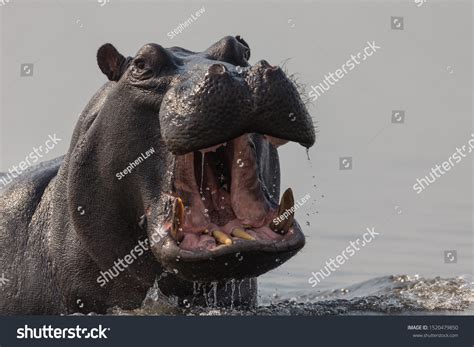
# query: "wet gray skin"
{"points": [[204, 200]]}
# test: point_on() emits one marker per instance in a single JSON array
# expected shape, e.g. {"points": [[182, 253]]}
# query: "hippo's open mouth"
{"points": [[224, 217]]}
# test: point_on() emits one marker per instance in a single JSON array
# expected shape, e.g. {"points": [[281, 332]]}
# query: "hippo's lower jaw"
{"points": [[224, 222]]}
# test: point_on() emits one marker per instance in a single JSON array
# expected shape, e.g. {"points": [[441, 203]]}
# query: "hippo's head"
{"points": [[183, 151]]}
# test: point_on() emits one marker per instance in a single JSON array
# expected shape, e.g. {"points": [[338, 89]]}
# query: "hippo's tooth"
{"points": [[286, 213], [242, 234], [222, 237], [178, 219]]}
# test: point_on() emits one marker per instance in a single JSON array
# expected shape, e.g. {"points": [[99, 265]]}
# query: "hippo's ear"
{"points": [[110, 61]]}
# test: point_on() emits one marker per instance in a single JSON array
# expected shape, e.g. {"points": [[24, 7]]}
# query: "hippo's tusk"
{"points": [[178, 219], [286, 213]]}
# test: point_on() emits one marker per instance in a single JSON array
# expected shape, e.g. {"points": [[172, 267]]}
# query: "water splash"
{"points": [[214, 290], [239, 291], [396, 294], [204, 294], [232, 293]]}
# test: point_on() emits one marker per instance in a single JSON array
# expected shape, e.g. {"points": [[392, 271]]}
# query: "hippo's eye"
{"points": [[140, 64], [140, 70]]}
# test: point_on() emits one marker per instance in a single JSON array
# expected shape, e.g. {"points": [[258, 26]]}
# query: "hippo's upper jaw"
{"points": [[218, 122]]}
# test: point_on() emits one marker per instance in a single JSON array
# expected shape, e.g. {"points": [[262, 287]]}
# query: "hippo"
{"points": [[171, 180]]}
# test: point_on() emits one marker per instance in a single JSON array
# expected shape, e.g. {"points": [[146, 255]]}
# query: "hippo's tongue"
{"points": [[221, 197]]}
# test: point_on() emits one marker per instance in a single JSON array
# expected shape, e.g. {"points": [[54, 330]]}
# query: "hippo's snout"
{"points": [[227, 101]]}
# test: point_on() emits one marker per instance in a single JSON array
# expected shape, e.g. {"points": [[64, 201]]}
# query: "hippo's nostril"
{"points": [[216, 69]]}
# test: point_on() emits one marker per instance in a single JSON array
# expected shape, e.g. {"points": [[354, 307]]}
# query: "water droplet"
{"points": [[203, 156], [214, 289], [240, 162], [292, 117], [175, 271], [232, 288]]}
